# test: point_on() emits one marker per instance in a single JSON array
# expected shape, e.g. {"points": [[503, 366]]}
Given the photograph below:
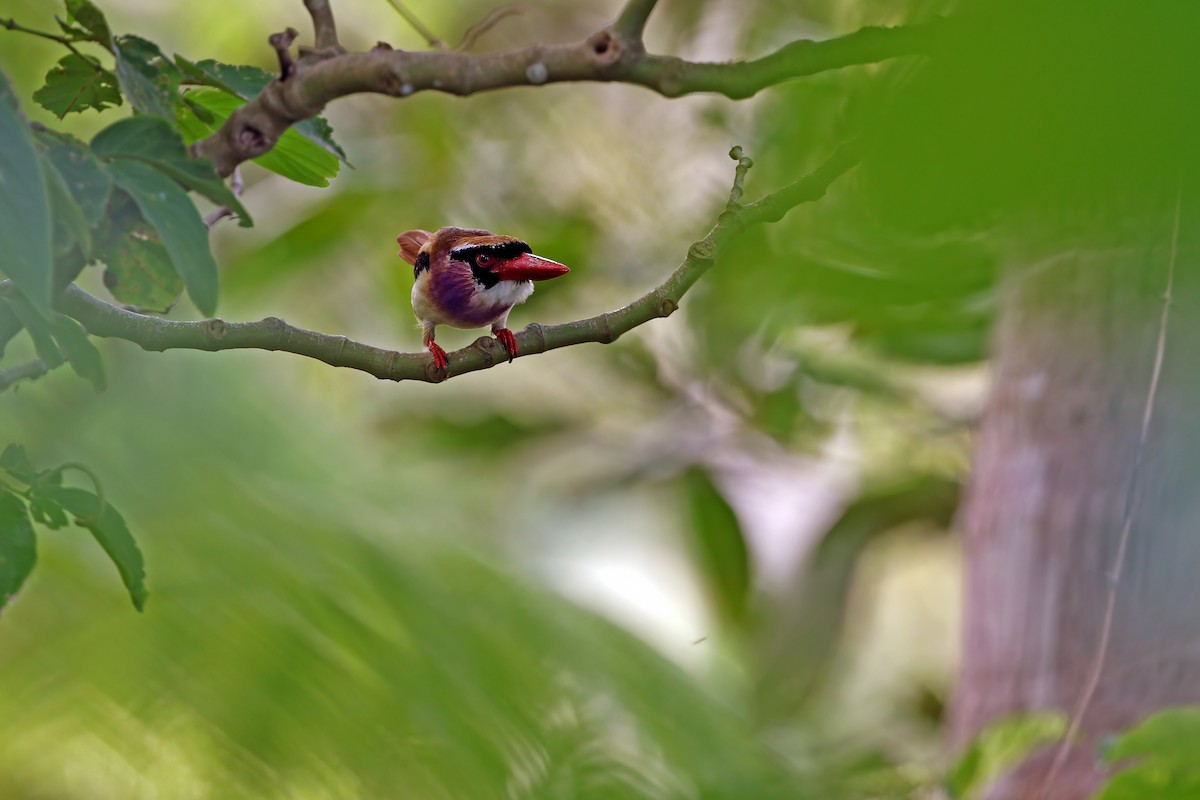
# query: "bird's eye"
{"points": [[483, 260]]}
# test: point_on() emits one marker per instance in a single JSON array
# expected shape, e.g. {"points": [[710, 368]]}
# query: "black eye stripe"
{"points": [[470, 252]]}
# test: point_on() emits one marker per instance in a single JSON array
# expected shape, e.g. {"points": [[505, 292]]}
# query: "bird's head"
{"points": [[490, 257]]}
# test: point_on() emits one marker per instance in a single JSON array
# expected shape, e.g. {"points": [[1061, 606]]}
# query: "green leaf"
{"points": [[25, 226], [35, 322], [70, 227], [153, 140], [47, 512], [15, 461], [81, 354], [167, 208], [149, 80], [110, 530], [246, 82], [1170, 737], [89, 184], [293, 156], [89, 18], [719, 545], [999, 748], [18, 548], [140, 274], [76, 84]]}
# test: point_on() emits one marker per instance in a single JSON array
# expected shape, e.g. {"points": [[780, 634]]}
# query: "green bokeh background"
{"points": [[579, 575]]}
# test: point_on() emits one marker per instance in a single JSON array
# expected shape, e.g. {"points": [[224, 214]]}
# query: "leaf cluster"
{"points": [[123, 199], [29, 495]]}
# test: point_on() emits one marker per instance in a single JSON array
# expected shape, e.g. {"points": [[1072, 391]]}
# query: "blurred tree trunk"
{"points": [[1074, 351]]}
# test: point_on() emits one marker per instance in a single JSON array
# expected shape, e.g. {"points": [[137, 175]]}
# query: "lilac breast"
{"points": [[456, 294]]}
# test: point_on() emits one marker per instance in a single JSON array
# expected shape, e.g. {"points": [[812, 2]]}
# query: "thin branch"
{"points": [[487, 23], [632, 22], [13, 25], [236, 185], [152, 333], [417, 25], [255, 127], [1118, 563], [324, 31], [30, 370]]}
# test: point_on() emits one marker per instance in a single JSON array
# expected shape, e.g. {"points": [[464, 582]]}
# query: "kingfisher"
{"points": [[468, 278]]}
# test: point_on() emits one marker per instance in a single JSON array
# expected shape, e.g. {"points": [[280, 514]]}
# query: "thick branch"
{"points": [[255, 127], [152, 333]]}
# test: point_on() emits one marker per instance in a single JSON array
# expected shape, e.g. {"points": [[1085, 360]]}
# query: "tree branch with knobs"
{"points": [[326, 71], [153, 333]]}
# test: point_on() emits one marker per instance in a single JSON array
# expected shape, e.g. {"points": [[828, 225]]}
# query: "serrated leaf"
{"points": [[719, 545], [81, 354], [90, 19], [25, 225], [293, 156], [139, 273], [70, 227], [78, 83], [15, 461], [110, 530], [148, 78], [36, 324], [154, 141], [89, 184], [246, 82], [999, 748], [18, 548], [169, 211]]}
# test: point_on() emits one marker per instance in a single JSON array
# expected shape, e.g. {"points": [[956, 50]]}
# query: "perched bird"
{"points": [[469, 278]]}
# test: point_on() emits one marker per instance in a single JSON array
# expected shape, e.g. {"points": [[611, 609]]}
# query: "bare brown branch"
{"points": [[255, 127], [153, 333]]}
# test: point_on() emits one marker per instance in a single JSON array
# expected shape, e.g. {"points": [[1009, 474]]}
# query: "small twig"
{"points": [[282, 42], [13, 25], [418, 26], [237, 185], [739, 177], [487, 23], [324, 31], [632, 22], [1118, 563], [30, 370]]}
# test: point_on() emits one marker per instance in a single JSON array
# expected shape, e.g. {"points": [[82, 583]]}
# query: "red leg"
{"points": [[439, 355], [509, 341]]}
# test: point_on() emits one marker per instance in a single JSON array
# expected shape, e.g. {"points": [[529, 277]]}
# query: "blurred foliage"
{"points": [[350, 583], [1156, 759]]}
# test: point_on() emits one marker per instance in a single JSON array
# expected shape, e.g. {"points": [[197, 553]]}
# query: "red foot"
{"points": [[439, 355], [509, 341]]}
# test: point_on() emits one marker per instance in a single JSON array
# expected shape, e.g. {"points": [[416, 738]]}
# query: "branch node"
{"points": [[282, 43], [537, 73], [605, 48], [538, 330], [606, 326], [701, 252], [215, 328], [667, 307]]}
